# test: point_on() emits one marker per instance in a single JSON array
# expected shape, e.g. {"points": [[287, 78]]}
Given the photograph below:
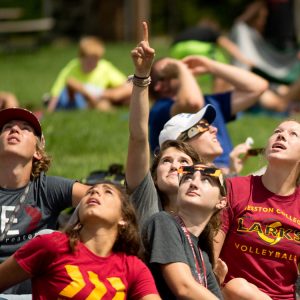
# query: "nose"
{"points": [[281, 136], [195, 179], [175, 165], [213, 129], [95, 192], [15, 128]]}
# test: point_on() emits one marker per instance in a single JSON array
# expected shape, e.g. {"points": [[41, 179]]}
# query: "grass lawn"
{"points": [[83, 141]]}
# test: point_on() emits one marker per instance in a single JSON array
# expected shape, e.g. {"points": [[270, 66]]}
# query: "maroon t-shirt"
{"points": [[262, 243]]}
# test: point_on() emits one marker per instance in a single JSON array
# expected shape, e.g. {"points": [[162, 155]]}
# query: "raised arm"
{"points": [[247, 86], [189, 97], [138, 156]]}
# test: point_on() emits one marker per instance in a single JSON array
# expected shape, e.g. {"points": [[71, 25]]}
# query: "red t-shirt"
{"points": [[59, 274], [262, 243]]}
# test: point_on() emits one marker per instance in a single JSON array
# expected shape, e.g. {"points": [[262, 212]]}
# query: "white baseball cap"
{"points": [[184, 121]]}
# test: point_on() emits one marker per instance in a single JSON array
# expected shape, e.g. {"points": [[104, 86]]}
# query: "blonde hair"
{"points": [[91, 46], [43, 164]]}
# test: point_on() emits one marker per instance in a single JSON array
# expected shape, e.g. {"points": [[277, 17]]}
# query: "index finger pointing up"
{"points": [[145, 31]]}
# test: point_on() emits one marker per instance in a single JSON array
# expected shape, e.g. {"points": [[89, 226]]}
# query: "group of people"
{"points": [[186, 227]]}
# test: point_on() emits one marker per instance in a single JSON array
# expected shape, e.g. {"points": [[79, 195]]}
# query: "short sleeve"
{"points": [[163, 241], [140, 279], [145, 199], [226, 213], [37, 254]]}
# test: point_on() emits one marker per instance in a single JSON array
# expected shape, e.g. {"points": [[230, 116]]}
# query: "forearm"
{"points": [[234, 51], [195, 291], [138, 156], [181, 282], [118, 93], [247, 87], [189, 97], [11, 273], [52, 104], [241, 79]]}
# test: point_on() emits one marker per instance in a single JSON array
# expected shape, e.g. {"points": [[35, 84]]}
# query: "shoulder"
{"points": [[52, 241], [104, 63], [73, 63], [239, 183], [161, 217], [239, 180], [160, 222], [50, 244]]}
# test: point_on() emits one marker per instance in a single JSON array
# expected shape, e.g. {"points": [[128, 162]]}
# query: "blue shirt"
{"points": [[160, 113]]}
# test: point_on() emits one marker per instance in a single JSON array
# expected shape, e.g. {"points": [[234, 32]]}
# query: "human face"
{"points": [[206, 144], [101, 202], [166, 173], [89, 63], [284, 143], [201, 186], [168, 83], [18, 137]]}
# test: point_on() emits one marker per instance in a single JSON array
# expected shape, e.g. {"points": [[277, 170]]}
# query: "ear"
{"points": [[222, 203], [37, 155], [158, 86]]}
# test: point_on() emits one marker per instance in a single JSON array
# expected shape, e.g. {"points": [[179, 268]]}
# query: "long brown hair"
{"points": [[128, 238], [206, 238], [180, 146]]}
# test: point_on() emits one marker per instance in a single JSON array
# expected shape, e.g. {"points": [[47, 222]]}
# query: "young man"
{"points": [[200, 131], [176, 90], [29, 199]]}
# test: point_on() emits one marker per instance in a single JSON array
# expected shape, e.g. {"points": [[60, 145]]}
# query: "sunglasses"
{"points": [[211, 172], [200, 127], [255, 151]]}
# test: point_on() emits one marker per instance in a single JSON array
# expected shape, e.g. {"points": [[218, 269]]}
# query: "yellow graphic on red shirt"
{"points": [[78, 283], [270, 240], [272, 233], [117, 283]]}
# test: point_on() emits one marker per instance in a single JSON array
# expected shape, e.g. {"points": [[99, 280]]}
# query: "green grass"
{"points": [[82, 141]]}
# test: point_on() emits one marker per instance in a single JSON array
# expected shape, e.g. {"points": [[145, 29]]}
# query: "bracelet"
{"points": [[139, 81]]}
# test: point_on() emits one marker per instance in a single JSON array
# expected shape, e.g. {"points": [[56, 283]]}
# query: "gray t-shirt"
{"points": [[165, 242], [145, 199], [47, 197]]}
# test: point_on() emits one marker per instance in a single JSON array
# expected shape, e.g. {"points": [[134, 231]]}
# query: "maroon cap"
{"points": [[23, 114]]}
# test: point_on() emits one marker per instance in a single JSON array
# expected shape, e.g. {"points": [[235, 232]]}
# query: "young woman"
{"points": [[179, 245], [94, 259], [159, 191], [260, 236]]}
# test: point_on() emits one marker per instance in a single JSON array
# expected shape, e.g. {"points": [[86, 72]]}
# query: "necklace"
{"points": [[13, 215]]}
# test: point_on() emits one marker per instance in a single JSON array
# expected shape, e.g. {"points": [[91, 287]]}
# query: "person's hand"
{"points": [[197, 64], [237, 157], [143, 55], [220, 270]]}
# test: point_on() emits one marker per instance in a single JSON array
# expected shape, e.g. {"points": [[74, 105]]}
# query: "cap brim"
{"points": [[16, 113], [208, 113]]}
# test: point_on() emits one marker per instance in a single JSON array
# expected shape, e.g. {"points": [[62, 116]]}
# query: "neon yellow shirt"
{"points": [[104, 76]]}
